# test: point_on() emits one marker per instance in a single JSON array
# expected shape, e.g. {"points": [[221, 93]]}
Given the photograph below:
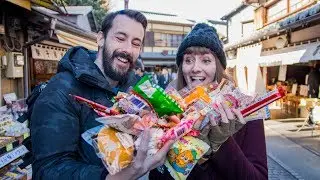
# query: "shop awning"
{"points": [[25, 4], [291, 55], [73, 40]]}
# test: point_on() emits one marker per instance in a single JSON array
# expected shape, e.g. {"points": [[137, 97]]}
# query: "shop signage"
{"points": [[12, 155], [304, 90], [45, 52], [282, 73]]}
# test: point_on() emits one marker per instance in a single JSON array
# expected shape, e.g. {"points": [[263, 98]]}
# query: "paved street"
{"points": [[277, 172], [295, 161]]}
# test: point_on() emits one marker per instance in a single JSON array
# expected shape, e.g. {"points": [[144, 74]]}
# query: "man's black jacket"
{"points": [[58, 121]]}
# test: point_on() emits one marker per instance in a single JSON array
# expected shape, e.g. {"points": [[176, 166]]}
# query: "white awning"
{"points": [[73, 40], [291, 55]]}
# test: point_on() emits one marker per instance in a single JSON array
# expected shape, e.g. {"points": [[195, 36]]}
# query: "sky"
{"points": [[191, 9]]}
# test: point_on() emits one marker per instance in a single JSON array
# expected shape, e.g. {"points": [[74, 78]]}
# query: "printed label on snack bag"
{"points": [[125, 139], [180, 131], [147, 88]]}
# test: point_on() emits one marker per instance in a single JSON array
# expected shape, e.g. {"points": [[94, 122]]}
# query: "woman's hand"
{"points": [[141, 164], [217, 133]]}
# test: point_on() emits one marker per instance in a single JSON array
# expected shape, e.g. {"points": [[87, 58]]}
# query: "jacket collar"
{"points": [[80, 62]]}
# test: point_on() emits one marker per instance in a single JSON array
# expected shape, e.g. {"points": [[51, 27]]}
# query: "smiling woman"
{"points": [[201, 66], [236, 153]]}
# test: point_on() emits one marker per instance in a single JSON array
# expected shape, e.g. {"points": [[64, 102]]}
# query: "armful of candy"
{"points": [[170, 115]]}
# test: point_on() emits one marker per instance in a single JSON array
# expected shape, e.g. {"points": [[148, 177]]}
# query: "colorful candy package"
{"points": [[132, 104], [123, 122], [153, 146], [184, 155], [196, 94], [174, 94], [178, 131], [161, 103], [116, 149]]}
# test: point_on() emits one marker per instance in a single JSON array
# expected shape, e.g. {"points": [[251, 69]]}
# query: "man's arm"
{"points": [[55, 133]]}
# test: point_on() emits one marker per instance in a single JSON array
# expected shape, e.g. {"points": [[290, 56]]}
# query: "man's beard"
{"points": [[112, 72]]}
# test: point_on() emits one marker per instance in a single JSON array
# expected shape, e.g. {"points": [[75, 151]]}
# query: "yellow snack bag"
{"points": [[116, 149], [184, 155]]}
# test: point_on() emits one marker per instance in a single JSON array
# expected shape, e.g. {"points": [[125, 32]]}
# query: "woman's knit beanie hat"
{"points": [[202, 35]]}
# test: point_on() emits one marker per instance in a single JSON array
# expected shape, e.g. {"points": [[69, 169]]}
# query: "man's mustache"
{"points": [[123, 55]]}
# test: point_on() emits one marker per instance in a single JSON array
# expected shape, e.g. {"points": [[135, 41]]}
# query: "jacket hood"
{"points": [[80, 62]]}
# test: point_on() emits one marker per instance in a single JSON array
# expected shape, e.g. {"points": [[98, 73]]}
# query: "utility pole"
{"points": [[126, 4]]}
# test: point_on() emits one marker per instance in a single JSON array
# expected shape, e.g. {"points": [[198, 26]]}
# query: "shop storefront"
{"points": [[32, 43], [44, 62], [290, 67]]}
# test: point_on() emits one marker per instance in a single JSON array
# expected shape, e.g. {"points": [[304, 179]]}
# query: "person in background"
{"points": [[238, 149], [314, 82], [164, 78], [139, 69], [174, 75], [58, 121]]}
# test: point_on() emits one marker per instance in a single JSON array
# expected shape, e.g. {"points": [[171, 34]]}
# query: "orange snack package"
{"points": [[116, 149], [197, 93]]}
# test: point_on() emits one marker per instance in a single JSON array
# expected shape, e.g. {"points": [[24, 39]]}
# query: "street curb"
{"points": [[292, 172]]}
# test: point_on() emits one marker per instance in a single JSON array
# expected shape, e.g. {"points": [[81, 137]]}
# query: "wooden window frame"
{"points": [[172, 44], [270, 3], [246, 22]]}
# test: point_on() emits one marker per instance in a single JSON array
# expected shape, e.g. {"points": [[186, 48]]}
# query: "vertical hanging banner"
{"points": [[249, 79], [282, 73]]}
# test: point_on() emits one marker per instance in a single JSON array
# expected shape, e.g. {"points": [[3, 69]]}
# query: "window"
{"points": [[174, 40], [296, 4], [149, 39], [248, 28], [167, 40], [277, 10], [282, 8]]}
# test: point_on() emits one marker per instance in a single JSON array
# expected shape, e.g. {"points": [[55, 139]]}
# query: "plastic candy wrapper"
{"points": [[132, 104], [161, 103], [153, 147], [101, 110], [16, 129], [147, 121], [252, 107], [178, 131], [197, 93], [174, 94], [184, 155], [129, 123], [262, 113], [116, 149], [194, 114], [264, 101]]}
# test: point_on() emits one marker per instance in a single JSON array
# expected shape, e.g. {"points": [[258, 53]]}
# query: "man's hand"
{"points": [[141, 163]]}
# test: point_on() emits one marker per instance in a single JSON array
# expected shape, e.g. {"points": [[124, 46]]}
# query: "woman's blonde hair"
{"points": [[220, 72]]}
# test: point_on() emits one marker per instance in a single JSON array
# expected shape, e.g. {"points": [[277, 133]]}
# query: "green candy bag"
{"points": [[161, 102]]}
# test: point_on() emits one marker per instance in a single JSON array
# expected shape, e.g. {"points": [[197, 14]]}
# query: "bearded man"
{"points": [[58, 123]]}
